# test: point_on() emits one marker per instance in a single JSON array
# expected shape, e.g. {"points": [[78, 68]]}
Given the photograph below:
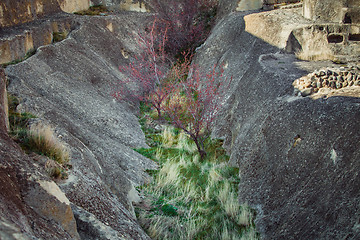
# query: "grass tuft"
{"points": [[59, 36], [189, 198], [43, 141], [38, 138]]}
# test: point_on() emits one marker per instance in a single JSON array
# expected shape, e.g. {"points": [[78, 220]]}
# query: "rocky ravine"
{"points": [[298, 155], [299, 158], [68, 85]]}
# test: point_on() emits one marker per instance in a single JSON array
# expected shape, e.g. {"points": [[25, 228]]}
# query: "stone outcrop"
{"points": [[341, 11], [288, 29], [19, 12], [69, 84], [16, 43], [90, 228], [44, 18], [298, 157]]}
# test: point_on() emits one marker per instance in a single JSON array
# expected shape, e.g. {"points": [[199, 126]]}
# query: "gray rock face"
{"points": [[90, 228], [69, 84], [298, 157], [31, 205]]}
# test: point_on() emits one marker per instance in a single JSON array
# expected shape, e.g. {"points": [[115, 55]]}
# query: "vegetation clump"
{"points": [[94, 10], [59, 36], [194, 193], [190, 197], [38, 138]]}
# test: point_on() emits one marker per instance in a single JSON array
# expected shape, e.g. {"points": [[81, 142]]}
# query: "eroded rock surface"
{"points": [[69, 84], [30, 205], [298, 157], [19, 12]]}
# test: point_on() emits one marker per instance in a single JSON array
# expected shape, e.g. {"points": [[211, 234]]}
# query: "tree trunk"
{"points": [[200, 148]]}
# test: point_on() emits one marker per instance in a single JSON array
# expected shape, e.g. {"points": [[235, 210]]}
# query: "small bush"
{"points": [[94, 10], [43, 141], [59, 36]]}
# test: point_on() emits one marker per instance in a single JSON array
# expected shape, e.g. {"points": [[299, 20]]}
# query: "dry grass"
{"points": [[193, 199], [42, 138]]}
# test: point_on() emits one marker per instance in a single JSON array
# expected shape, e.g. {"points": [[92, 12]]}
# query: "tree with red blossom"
{"points": [[148, 72], [187, 97], [195, 102]]}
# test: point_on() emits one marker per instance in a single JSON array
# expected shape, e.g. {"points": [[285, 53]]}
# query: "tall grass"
{"points": [[192, 199], [38, 138], [44, 141]]}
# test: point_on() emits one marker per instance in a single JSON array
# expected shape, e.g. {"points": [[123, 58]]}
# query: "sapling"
{"points": [[195, 102]]}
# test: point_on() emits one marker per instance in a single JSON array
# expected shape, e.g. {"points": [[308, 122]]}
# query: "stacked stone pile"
{"points": [[328, 78]]}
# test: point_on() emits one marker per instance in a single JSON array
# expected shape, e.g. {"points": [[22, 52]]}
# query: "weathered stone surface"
{"points": [[245, 5], [325, 41], [69, 84], [19, 12], [57, 208], [18, 41], [298, 157], [90, 228], [22, 215], [288, 29], [275, 27], [71, 6], [341, 11], [4, 121], [131, 5]]}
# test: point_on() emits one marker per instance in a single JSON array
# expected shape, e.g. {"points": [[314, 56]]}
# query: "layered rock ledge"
{"points": [[68, 84]]}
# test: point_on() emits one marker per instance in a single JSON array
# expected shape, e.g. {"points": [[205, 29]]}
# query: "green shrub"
{"points": [[59, 36]]}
